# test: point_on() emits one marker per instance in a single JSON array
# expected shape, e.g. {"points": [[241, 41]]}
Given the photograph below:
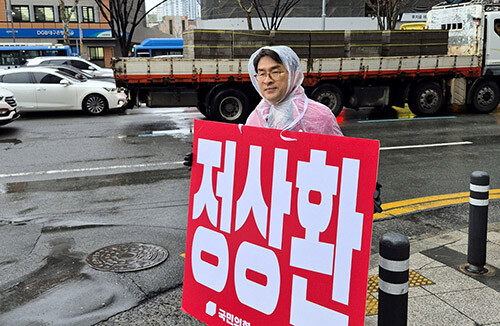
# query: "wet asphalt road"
{"points": [[71, 184]]}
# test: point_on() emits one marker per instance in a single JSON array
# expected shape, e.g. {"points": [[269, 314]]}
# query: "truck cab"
{"points": [[473, 29]]}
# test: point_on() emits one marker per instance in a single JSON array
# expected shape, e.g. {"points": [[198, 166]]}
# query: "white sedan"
{"points": [[8, 107], [82, 64], [46, 89]]}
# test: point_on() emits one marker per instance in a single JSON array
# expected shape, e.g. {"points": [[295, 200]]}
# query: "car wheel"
{"points": [[95, 104]]}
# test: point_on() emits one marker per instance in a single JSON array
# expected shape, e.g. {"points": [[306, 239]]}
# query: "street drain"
{"points": [[127, 257]]}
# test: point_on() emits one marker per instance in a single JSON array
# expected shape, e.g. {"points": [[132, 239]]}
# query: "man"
{"points": [[277, 76]]}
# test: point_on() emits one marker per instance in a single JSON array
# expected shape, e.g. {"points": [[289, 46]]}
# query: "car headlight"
{"points": [[1, 98], [110, 89]]}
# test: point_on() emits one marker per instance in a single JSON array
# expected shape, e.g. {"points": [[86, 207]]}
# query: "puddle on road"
{"points": [[364, 114], [176, 133], [60, 266], [14, 141], [59, 293], [175, 122], [96, 182]]}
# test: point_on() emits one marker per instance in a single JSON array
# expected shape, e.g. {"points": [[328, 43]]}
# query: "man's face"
{"points": [[272, 78]]}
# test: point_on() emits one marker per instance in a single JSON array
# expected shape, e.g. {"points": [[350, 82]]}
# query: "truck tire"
{"points": [[229, 105], [485, 97], [426, 99], [329, 95]]}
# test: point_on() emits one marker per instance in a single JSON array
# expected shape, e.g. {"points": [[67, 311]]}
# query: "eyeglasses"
{"points": [[274, 75]]}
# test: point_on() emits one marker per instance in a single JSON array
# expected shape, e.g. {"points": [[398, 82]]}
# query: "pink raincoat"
{"points": [[295, 111]]}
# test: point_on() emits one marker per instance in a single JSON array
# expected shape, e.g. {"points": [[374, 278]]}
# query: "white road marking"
{"points": [[101, 168], [406, 119], [149, 165], [182, 113], [426, 145]]}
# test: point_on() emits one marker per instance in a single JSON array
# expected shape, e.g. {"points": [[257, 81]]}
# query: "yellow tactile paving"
{"points": [[415, 279], [371, 305]]}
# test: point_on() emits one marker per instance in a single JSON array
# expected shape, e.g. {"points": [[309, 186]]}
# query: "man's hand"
{"points": [[188, 159], [377, 201]]}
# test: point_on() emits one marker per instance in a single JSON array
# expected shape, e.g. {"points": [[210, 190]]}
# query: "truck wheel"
{"points": [[230, 105], [485, 97], [426, 99], [329, 95]]}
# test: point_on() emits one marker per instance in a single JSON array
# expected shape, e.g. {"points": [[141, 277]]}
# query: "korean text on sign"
{"points": [[279, 227]]}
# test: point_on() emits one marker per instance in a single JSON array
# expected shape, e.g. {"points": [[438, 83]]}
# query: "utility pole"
{"points": [[11, 14], [79, 14]]}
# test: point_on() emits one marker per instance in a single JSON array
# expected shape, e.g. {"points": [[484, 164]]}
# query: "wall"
{"points": [[331, 23]]}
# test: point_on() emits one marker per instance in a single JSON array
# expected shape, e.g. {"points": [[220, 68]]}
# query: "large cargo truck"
{"points": [[466, 73]]}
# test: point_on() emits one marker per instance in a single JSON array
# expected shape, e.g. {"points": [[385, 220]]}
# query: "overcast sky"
{"points": [[151, 3]]}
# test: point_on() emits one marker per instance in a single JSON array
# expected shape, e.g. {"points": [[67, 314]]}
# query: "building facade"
{"points": [[223, 9], [189, 8], [35, 22], [307, 15], [173, 26]]}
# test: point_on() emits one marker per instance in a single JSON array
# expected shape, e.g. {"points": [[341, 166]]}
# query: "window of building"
{"points": [[183, 25], [171, 26], [73, 18], [21, 13], [96, 53], [88, 14], [44, 13]]}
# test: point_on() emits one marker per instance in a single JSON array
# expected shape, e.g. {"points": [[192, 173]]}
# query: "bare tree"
{"points": [[65, 16], [276, 11], [123, 16], [248, 12], [386, 11]]}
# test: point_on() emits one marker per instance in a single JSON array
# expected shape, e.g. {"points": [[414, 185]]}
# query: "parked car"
{"points": [[82, 64], [47, 89], [77, 73], [8, 107]]}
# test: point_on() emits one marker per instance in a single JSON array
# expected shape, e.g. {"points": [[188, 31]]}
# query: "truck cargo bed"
{"points": [[177, 70]]}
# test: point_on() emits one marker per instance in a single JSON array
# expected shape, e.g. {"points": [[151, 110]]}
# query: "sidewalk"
{"points": [[440, 294]]}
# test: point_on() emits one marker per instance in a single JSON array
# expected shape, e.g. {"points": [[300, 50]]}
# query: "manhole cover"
{"points": [[127, 257]]}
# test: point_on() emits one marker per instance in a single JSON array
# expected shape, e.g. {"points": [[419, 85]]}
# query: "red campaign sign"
{"points": [[279, 227]]}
